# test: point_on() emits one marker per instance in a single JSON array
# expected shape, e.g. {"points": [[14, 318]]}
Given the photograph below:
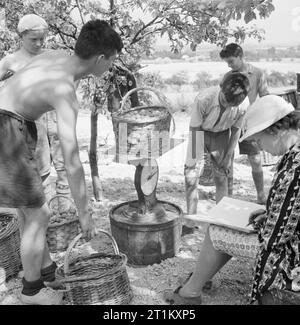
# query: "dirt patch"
{"points": [[230, 286]]}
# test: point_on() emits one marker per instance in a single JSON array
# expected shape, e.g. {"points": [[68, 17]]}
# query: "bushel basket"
{"points": [[97, 279], [10, 261], [143, 131], [63, 225], [268, 159]]}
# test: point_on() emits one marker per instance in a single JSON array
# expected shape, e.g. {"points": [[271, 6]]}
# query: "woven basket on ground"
{"points": [[207, 176], [143, 131], [97, 279], [64, 223], [267, 159], [10, 261]]}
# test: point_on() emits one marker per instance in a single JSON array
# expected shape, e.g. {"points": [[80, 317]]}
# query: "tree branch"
{"points": [[151, 22], [64, 18], [80, 13], [146, 34], [143, 28], [62, 32]]}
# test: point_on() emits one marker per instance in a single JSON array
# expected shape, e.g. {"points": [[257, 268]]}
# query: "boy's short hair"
{"points": [[97, 37], [231, 49], [235, 87]]}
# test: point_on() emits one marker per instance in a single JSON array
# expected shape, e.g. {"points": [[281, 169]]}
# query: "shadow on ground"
{"points": [[230, 286]]}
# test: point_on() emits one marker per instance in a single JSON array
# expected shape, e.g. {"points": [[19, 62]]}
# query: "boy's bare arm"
{"points": [[233, 141], [234, 138], [67, 107], [4, 63]]}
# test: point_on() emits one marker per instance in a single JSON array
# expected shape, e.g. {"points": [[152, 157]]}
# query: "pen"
{"points": [[250, 223]]}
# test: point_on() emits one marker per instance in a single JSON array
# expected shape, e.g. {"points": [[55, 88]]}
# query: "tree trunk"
{"points": [[113, 106], [97, 188], [112, 8]]}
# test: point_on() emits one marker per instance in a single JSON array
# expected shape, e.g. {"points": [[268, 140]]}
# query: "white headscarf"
{"points": [[31, 22]]}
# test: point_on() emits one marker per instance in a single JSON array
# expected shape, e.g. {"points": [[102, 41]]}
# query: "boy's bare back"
{"points": [[36, 88]]}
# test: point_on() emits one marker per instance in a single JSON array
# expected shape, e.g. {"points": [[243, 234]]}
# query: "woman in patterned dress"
{"points": [[274, 124], [277, 263]]}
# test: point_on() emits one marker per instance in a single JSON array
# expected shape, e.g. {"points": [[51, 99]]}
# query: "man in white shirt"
{"points": [[233, 55], [215, 125]]}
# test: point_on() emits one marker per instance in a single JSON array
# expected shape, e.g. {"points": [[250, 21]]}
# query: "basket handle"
{"points": [[159, 96], [75, 240], [130, 92], [59, 195]]}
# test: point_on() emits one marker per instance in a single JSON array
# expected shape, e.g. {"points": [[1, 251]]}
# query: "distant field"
{"points": [[216, 69], [182, 97]]}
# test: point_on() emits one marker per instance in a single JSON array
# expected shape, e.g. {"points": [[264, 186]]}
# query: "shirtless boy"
{"points": [[45, 84], [32, 30]]}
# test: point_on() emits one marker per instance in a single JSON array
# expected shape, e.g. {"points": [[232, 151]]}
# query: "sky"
{"points": [[281, 28]]}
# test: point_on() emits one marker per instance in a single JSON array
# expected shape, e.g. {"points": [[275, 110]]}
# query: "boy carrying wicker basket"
{"points": [[47, 83]]}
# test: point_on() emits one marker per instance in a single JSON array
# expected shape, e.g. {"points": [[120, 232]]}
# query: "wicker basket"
{"points": [[97, 279], [207, 176], [267, 159], [10, 261], [60, 234], [143, 131]]}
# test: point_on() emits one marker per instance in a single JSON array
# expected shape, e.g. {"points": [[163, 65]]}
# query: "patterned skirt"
{"points": [[234, 242]]}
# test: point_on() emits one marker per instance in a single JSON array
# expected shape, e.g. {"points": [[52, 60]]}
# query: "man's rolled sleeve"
{"points": [[243, 108], [197, 113]]}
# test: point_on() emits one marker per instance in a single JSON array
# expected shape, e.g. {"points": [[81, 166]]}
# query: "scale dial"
{"points": [[149, 176]]}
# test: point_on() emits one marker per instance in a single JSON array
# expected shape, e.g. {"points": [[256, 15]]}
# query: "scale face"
{"points": [[149, 176]]}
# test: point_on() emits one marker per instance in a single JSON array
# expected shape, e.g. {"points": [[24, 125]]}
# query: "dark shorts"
{"points": [[215, 143], [249, 148], [20, 182]]}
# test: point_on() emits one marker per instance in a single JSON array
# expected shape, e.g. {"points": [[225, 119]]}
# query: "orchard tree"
{"points": [[139, 22]]}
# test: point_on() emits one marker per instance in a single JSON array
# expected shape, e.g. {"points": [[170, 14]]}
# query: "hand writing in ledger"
{"points": [[256, 218]]}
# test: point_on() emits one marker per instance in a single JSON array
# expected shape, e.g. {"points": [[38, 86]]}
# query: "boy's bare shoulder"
{"points": [[61, 86], [47, 51], [61, 91], [51, 70], [9, 59], [50, 56]]}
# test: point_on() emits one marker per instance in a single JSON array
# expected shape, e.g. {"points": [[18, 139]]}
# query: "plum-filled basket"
{"points": [[10, 261], [63, 227], [143, 131]]}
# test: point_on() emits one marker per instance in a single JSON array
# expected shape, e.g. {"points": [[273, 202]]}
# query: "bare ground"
{"points": [[230, 286]]}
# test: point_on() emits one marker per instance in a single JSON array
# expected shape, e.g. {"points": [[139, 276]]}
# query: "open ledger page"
{"points": [[231, 213]]}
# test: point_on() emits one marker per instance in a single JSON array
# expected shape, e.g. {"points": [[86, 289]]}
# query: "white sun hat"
{"points": [[31, 22], [264, 112]]}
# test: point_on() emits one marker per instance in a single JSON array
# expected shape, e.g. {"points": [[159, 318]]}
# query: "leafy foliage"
{"points": [[179, 79], [183, 21], [277, 79], [139, 22]]}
